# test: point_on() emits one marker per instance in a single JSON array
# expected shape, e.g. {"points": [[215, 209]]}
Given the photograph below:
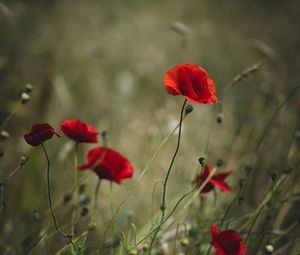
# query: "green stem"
{"points": [[68, 237], [75, 194], [163, 204], [96, 197]]}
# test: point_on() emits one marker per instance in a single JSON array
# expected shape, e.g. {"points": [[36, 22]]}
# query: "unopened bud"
{"points": [[67, 198], [36, 215], [219, 118], [273, 177], [133, 251], [184, 242], [220, 162], [162, 208], [84, 200], [23, 160], [269, 249], [84, 211], [25, 97], [188, 109], [201, 161], [28, 88], [241, 182], [4, 135]]}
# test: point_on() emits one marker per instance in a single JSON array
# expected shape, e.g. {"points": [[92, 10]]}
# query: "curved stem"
{"points": [[273, 118], [68, 237], [163, 204], [134, 185]]}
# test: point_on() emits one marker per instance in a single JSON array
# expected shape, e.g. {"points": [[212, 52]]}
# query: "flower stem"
{"points": [[75, 193], [68, 237], [163, 204], [96, 198]]}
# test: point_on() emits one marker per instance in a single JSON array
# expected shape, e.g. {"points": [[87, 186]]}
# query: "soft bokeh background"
{"points": [[103, 62]]}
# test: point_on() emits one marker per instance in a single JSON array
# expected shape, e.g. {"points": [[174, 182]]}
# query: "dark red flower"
{"points": [[39, 133], [108, 164], [227, 242], [192, 82], [216, 181], [79, 131]]}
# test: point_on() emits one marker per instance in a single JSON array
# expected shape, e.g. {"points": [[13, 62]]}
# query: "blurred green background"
{"points": [[103, 62]]}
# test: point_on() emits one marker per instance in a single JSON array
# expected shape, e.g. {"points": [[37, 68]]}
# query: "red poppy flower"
{"points": [[227, 242], [79, 131], [216, 181], [108, 164], [39, 133], [192, 82]]}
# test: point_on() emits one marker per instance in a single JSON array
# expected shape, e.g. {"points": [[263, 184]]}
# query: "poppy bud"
{"points": [[23, 160], [162, 208], [28, 88], [67, 198], [188, 109], [269, 249], [105, 137], [220, 162], [36, 215], [25, 98], [133, 251], [273, 177], [201, 161], [84, 211], [219, 118], [84, 200], [4, 135], [241, 182], [184, 242]]}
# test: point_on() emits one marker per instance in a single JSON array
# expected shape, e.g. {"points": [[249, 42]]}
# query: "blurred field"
{"points": [[103, 62]]}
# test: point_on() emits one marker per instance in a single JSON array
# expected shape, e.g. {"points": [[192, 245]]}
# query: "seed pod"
{"points": [[4, 135], [84, 211], [67, 198], [25, 98], [188, 109], [220, 118], [184, 242], [220, 162], [23, 160], [201, 161], [28, 88]]}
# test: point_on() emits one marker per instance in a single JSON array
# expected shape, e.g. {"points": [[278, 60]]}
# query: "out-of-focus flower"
{"points": [[39, 133], [79, 131], [192, 82], [108, 164], [227, 242], [217, 180]]}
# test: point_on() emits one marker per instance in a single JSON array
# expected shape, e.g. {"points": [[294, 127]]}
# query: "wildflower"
{"points": [[192, 82], [79, 131], [217, 180], [39, 133], [227, 242], [108, 164]]}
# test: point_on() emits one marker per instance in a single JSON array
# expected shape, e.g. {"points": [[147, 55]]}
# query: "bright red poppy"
{"points": [[217, 180], [79, 131], [108, 164], [192, 82], [227, 242], [39, 133]]}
